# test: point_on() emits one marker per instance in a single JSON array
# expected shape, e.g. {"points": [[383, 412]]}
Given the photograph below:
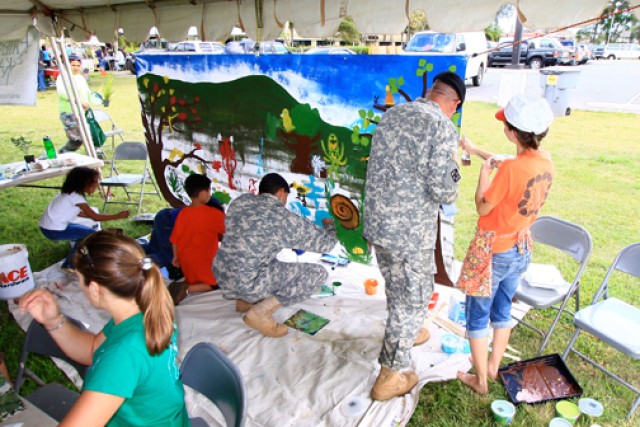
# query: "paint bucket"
{"points": [[567, 410], [15, 272], [371, 286], [450, 343], [503, 411]]}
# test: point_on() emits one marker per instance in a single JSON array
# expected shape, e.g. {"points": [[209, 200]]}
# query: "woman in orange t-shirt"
{"points": [[507, 206]]}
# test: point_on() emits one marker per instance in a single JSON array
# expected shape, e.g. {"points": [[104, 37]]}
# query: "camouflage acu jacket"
{"points": [[257, 228], [410, 173]]}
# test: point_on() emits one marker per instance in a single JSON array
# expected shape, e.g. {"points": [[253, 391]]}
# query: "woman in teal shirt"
{"points": [[134, 376]]}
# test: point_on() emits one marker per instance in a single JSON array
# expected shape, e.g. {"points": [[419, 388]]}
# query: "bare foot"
{"points": [[472, 381], [492, 372]]}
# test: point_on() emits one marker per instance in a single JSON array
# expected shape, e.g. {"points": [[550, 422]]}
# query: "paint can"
{"points": [[16, 277], [503, 411]]}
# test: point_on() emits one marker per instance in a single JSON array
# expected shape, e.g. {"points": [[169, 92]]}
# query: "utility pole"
{"points": [[517, 38]]}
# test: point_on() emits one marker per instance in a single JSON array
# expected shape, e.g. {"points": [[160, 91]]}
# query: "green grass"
{"points": [[597, 185]]}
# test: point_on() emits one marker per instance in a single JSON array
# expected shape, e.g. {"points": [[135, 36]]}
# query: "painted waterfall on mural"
{"points": [[308, 117]]}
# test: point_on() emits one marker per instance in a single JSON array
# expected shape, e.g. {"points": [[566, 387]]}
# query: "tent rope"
{"points": [[578, 24]]}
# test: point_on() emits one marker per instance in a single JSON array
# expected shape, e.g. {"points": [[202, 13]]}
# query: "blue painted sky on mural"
{"points": [[338, 86]]}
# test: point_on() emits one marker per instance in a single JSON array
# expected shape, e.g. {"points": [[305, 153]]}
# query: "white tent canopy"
{"points": [[264, 19]]}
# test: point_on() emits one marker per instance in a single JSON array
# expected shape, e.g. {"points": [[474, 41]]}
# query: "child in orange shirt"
{"points": [[507, 204], [195, 239]]}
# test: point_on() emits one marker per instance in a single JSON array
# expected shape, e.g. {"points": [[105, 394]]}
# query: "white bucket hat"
{"points": [[527, 112]]}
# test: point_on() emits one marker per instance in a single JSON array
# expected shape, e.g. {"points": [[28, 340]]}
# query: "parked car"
{"points": [[472, 45], [576, 53], [598, 52], [248, 46], [535, 53], [621, 51], [198, 47], [152, 44], [329, 50]]}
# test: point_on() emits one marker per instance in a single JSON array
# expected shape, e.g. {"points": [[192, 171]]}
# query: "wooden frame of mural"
{"points": [[308, 117]]}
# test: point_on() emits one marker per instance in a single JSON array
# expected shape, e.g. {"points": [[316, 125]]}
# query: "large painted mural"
{"points": [[308, 117]]}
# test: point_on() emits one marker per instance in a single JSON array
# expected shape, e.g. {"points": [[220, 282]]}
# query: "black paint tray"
{"points": [[539, 380]]}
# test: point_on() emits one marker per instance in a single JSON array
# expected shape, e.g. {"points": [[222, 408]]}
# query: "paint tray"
{"points": [[539, 380], [307, 322]]}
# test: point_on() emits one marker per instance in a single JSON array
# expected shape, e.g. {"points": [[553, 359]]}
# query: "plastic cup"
{"points": [[503, 411], [559, 422], [567, 410], [371, 286]]}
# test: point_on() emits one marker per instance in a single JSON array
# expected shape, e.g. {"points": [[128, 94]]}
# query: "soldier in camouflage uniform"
{"points": [[257, 228], [412, 170]]}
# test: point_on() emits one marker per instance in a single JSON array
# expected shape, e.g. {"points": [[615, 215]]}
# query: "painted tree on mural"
{"points": [[394, 86], [300, 132], [163, 110]]}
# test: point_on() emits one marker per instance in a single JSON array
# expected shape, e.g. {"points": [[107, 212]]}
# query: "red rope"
{"points": [[579, 24]]}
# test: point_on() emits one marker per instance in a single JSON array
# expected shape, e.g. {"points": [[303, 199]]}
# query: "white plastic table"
{"points": [[63, 164]]}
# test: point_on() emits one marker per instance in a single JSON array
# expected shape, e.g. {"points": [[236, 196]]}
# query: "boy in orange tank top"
{"points": [[508, 204]]}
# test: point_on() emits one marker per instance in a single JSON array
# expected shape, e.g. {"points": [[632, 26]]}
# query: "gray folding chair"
{"points": [[53, 399], [572, 240], [129, 151], [108, 127], [210, 372], [612, 320]]}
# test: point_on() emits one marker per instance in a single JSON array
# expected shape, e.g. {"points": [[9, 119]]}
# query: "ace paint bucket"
{"points": [[15, 272]]}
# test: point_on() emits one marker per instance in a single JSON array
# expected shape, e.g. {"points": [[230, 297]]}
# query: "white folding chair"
{"points": [[613, 320], [129, 151], [108, 127], [571, 239]]}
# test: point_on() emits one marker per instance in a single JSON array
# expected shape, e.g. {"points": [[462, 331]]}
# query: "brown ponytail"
{"points": [[118, 263], [156, 304]]}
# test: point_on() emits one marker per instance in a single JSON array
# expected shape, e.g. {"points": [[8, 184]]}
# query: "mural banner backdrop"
{"points": [[308, 117]]}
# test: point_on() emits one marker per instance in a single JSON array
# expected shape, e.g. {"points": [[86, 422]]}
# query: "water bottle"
{"points": [[49, 148], [457, 309]]}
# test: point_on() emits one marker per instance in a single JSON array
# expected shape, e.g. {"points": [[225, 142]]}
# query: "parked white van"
{"points": [[473, 45], [622, 51]]}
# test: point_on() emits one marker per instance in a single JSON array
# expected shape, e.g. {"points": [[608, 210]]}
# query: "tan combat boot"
{"points": [[260, 317], [393, 383], [243, 306], [423, 337]]}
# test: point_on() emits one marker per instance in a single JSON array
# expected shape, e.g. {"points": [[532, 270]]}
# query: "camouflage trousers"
{"points": [[72, 130], [290, 283], [409, 282]]}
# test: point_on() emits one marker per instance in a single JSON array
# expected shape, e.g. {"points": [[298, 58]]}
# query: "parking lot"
{"points": [[602, 86]]}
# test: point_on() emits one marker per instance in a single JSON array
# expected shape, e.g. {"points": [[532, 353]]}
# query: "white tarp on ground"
{"points": [[298, 380], [19, 69]]}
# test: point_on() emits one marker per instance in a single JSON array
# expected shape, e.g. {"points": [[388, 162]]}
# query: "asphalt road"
{"points": [[601, 85]]}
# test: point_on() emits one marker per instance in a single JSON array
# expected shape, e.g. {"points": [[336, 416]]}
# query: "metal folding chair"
{"points": [[210, 372], [53, 399], [613, 320], [572, 240], [108, 127], [129, 151]]}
